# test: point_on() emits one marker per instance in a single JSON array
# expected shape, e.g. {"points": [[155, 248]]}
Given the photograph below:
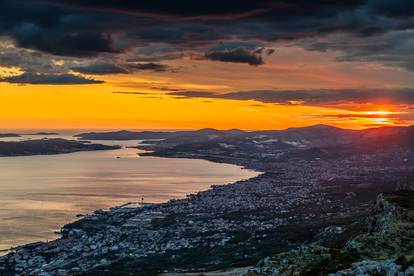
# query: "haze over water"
{"points": [[39, 194]]}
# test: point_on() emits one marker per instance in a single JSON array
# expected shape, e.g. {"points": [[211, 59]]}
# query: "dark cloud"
{"points": [[392, 49], [53, 29], [169, 89], [207, 9], [256, 105], [155, 52], [239, 55], [157, 67], [86, 44], [250, 52], [100, 69], [397, 8], [136, 93], [103, 68], [26, 60], [62, 79], [313, 97], [92, 28], [196, 94]]}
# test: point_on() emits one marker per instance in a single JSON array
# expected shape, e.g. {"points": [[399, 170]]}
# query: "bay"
{"points": [[39, 194]]}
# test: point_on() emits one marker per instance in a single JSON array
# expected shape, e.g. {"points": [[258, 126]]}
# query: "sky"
{"points": [[163, 64]]}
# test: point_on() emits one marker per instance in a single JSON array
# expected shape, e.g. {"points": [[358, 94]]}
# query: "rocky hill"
{"points": [[384, 247]]}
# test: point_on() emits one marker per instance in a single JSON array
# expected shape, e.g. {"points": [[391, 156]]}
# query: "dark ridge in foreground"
{"points": [[385, 246], [47, 146]]}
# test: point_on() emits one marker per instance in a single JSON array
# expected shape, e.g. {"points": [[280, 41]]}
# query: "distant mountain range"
{"points": [[305, 137], [124, 135], [43, 133]]}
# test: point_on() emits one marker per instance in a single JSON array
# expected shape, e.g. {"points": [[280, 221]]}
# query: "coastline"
{"points": [[114, 207], [290, 203], [251, 218]]}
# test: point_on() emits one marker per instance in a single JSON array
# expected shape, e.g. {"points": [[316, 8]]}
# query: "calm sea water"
{"points": [[39, 194]]}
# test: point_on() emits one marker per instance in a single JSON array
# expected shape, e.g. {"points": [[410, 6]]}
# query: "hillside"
{"points": [[304, 137], [384, 247]]}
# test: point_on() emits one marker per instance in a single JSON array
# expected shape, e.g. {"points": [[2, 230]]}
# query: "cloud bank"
{"points": [[320, 97], [104, 37]]}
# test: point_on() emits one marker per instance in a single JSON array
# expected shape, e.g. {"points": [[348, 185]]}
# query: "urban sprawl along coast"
{"points": [[303, 195]]}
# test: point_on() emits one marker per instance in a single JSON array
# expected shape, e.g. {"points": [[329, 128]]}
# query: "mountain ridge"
{"points": [[306, 137]]}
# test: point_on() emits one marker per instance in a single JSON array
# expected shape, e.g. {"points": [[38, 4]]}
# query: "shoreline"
{"points": [[58, 232], [232, 225]]}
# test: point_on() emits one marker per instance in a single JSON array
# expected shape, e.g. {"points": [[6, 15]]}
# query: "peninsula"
{"points": [[47, 146]]}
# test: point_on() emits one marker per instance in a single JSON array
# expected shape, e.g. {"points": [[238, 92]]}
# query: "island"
{"points": [[43, 134], [9, 135], [328, 200], [48, 146], [124, 135]]}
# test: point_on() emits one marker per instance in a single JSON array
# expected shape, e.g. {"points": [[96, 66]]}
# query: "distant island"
{"points": [[9, 135], [47, 146], [43, 133], [135, 135]]}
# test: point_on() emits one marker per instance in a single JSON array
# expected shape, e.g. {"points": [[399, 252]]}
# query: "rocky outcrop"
{"points": [[385, 247], [387, 267], [390, 227]]}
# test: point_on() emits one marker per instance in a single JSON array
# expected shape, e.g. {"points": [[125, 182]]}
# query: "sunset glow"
{"points": [[44, 89], [207, 137], [96, 106]]}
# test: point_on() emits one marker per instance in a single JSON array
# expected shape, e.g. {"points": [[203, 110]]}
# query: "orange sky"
{"points": [[96, 106]]}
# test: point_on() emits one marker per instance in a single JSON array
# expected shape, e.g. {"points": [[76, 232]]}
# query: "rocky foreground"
{"points": [[385, 247]]}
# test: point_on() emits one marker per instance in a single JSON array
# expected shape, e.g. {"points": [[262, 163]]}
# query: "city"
{"points": [[321, 199]]}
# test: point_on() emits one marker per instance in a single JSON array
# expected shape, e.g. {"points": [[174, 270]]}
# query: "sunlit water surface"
{"points": [[39, 194]]}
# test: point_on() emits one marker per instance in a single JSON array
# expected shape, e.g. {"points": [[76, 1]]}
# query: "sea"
{"points": [[39, 194]]}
